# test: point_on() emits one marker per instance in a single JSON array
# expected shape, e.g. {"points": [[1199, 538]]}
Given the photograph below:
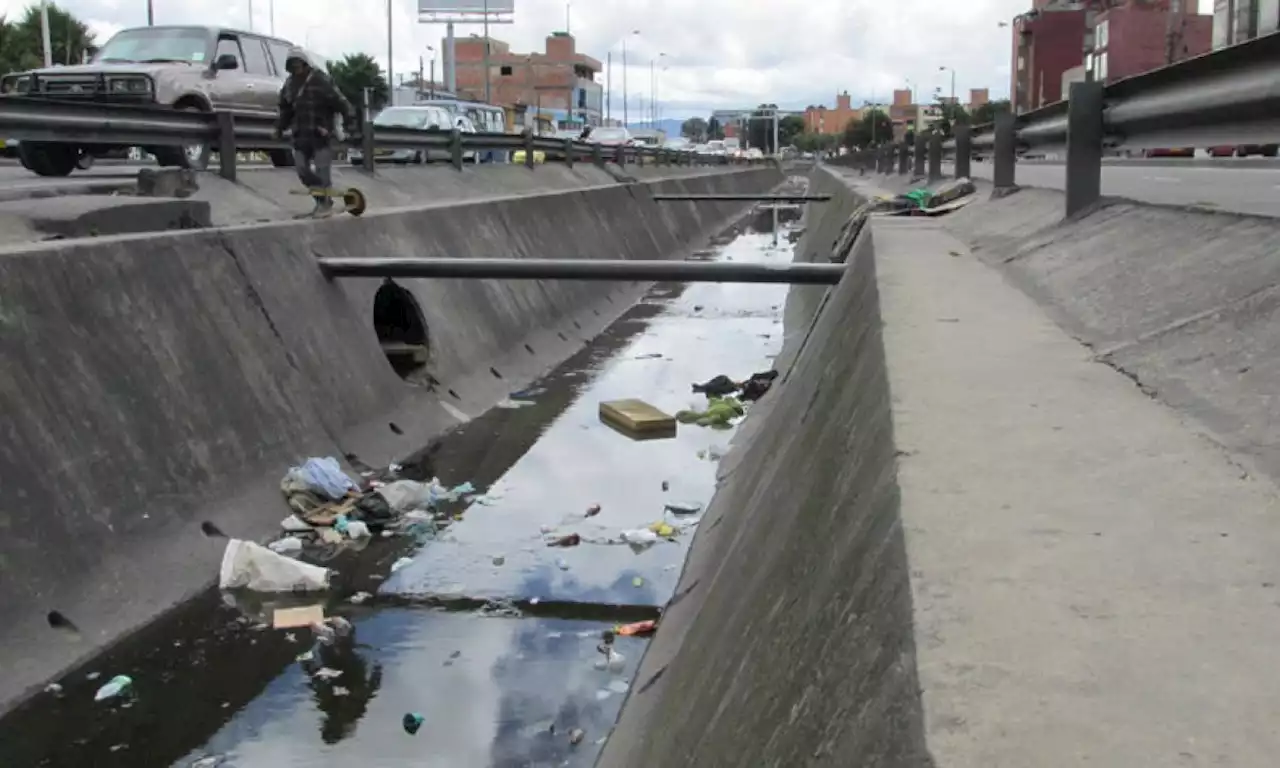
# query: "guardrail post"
{"points": [[1004, 155], [640, 151], [1084, 145], [455, 148], [904, 158], [528, 148], [568, 152], [226, 145], [918, 153], [964, 150], [620, 156], [935, 157], [597, 155], [366, 147], [366, 135]]}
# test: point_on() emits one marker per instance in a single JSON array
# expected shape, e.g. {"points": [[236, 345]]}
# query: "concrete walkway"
{"points": [[1094, 582]]}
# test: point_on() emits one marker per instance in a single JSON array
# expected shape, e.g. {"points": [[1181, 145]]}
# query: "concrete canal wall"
{"points": [[790, 641], [1018, 557], [152, 382]]}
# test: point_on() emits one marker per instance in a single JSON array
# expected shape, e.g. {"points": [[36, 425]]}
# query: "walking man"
{"points": [[309, 106]]}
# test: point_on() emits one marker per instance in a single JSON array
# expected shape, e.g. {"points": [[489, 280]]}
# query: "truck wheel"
{"points": [[192, 156], [48, 159], [281, 158]]}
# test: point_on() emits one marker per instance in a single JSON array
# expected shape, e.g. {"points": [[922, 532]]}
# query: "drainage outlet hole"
{"points": [[402, 331]]}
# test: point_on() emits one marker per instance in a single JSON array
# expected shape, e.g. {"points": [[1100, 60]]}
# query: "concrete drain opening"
{"points": [[402, 330]]}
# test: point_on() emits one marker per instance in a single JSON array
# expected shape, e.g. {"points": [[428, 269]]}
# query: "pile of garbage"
{"points": [[923, 201], [331, 512], [725, 398]]}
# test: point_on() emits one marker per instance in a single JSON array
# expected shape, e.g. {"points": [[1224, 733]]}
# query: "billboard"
{"points": [[460, 8]]}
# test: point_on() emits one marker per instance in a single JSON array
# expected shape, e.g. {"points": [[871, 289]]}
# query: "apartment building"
{"points": [[559, 81]]}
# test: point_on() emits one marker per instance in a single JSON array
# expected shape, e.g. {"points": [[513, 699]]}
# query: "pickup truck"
{"points": [[180, 67]]}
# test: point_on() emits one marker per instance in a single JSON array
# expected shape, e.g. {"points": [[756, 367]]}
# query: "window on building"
{"points": [[1104, 27], [505, 71], [1101, 72], [1022, 63]]}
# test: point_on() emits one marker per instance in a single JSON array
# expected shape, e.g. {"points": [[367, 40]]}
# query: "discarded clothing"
{"points": [[321, 477], [755, 387], [720, 413], [718, 386]]}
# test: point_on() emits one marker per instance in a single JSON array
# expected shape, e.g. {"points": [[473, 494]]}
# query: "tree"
{"points": [[986, 113], [759, 131], [354, 73], [22, 41], [694, 129], [875, 128], [952, 115], [714, 130], [789, 128]]}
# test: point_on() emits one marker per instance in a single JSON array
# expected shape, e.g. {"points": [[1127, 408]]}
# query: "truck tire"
{"points": [[193, 156], [45, 158]]}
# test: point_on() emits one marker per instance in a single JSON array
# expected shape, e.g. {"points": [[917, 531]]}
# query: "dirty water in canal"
{"points": [[488, 634]]}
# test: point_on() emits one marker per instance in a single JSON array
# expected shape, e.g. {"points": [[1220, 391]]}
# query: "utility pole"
{"points": [[488, 95], [391, 80], [44, 33], [608, 87], [624, 82], [151, 14], [1173, 34]]}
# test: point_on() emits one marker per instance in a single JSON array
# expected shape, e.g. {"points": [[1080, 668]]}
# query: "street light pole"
{"points": [[151, 14], [488, 95], [391, 80], [44, 33], [624, 76]]}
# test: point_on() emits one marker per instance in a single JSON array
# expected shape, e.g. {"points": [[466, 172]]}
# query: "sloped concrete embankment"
{"points": [[790, 640], [1184, 301], [154, 382]]}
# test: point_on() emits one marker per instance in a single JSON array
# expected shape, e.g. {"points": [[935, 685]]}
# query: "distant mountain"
{"points": [[670, 126]]}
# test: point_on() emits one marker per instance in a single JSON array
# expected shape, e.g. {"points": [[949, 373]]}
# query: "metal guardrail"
{"points": [[1229, 97], [97, 123]]}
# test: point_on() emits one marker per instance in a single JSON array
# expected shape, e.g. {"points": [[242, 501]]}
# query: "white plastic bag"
{"points": [[405, 495], [252, 566]]}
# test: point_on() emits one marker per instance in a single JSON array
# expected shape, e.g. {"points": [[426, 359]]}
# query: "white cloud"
{"points": [[720, 53]]}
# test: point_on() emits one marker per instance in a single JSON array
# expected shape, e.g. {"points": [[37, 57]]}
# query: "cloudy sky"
{"points": [[719, 53]]}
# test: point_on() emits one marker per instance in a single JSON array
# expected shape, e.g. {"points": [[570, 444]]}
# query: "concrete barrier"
{"points": [[1184, 301], [154, 382], [790, 639]]}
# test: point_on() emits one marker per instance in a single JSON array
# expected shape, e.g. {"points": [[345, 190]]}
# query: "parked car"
{"points": [[716, 147], [1245, 150], [422, 118], [189, 68], [610, 136], [678, 144], [1167, 152]]}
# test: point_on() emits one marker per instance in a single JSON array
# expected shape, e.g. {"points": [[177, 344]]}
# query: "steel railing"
{"points": [[1230, 97], [96, 123]]}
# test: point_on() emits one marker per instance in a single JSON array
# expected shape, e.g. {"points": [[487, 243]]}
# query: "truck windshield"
{"points": [[155, 44]]}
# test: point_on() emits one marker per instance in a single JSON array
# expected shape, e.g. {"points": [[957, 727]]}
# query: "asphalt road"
{"points": [[1241, 186]]}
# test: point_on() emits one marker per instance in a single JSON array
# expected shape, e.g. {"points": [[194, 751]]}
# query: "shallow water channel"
{"points": [[215, 687]]}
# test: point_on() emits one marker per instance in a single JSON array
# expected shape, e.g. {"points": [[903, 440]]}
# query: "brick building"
{"points": [[1058, 42], [1134, 38], [819, 119], [559, 81]]}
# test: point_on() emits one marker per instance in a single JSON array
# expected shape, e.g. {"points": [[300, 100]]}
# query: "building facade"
{"points": [[1134, 38], [559, 81], [1235, 21], [1059, 42]]}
